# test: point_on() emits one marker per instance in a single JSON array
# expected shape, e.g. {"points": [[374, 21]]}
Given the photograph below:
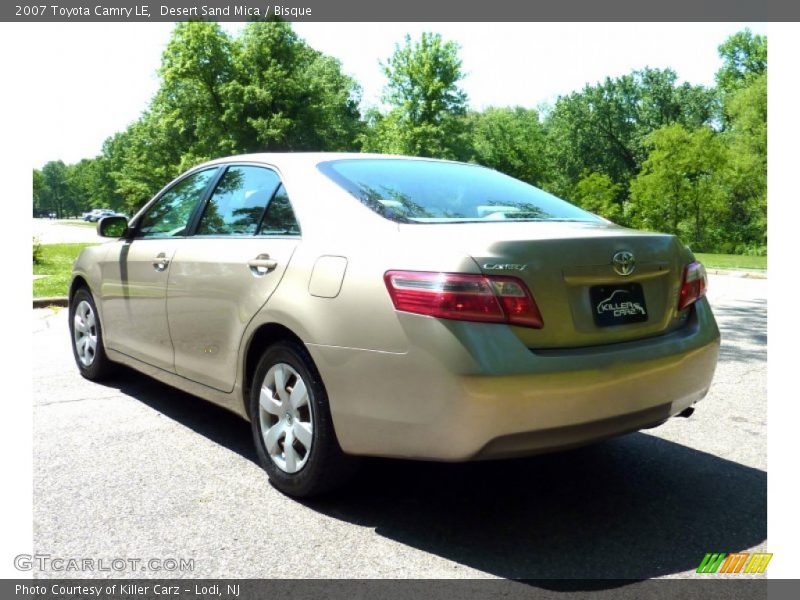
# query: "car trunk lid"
{"points": [[569, 268]]}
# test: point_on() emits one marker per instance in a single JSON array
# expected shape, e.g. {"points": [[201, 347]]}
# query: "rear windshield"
{"points": [[426, 191]]}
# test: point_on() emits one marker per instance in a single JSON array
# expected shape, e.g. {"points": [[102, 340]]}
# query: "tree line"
{"points": [[642, 150]]}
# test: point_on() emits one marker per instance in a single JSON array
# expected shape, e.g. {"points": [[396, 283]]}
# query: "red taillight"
{"points": [[464, 297], [694, 284]]}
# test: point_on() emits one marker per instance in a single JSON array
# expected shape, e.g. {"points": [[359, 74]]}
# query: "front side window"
{"points": [[169, 216], [238, 202], [428, 191]]}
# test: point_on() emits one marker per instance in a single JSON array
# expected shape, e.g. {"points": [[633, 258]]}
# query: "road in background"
{"points": [[134, 468], [51, 231]]}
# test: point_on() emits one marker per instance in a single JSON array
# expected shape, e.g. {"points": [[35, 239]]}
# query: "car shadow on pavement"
{"points": [[217, 424], [631, 508]]}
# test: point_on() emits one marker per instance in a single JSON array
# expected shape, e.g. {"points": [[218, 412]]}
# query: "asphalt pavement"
{"points": [[135, 469]]}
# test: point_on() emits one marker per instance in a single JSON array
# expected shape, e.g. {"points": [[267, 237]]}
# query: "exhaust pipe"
{"points": [[686, 412]]}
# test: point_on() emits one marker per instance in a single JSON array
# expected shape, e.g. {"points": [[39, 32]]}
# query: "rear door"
{"points": [[135, 272], [224, 273]]}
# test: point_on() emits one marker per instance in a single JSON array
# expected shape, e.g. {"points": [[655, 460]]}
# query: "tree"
{"points": [[744, 57], [38, 191], [286, 96], [745, 214], [640, 149], [92, 186], [597, 193], [265, 90], [54, 191], [426, 118], [190, 105], [681, 186], [510, 140], [603, 128]]}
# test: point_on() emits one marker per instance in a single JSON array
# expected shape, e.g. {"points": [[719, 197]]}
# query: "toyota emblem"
{"points": [[624, 263]]}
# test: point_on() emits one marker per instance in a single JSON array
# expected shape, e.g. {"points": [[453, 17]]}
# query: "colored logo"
{"points": [[739, 562]]}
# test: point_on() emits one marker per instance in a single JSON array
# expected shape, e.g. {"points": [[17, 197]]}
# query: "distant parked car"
{"points": [[98, 213], [351, 305]]}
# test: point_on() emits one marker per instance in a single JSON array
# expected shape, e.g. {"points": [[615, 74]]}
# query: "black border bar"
{"points": [[407, 10], [705, 588]]}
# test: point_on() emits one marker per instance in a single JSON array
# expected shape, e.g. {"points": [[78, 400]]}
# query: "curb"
{"points": [[53, 301], [737, 273]]}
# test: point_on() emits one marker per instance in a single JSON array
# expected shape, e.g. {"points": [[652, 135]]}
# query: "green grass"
{"points": [[732, 261], [56, 263]]}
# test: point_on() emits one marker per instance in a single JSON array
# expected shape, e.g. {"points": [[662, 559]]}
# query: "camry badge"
{"points": [[624, 263], [505, 267]]}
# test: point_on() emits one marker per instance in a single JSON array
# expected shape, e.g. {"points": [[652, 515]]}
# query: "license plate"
{"points": [[618, 304]]}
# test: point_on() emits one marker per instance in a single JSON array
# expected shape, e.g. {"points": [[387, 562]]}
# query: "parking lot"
{"points": [[135, 469]]}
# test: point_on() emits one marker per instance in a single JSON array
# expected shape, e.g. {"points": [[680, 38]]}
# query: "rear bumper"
{"points": [[474, 391]]}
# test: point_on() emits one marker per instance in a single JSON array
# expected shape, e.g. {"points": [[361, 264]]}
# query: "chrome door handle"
{"points": [[261, 265], [161, 262]]}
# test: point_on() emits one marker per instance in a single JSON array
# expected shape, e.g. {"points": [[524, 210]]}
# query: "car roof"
{"points": [[292, 160]]}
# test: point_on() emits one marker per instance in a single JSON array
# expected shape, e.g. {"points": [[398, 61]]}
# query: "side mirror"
{"points": [[112, 227]]}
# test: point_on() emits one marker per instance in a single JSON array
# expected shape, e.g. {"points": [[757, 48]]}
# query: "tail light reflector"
{"points": [[464, 297], [694, 284]]}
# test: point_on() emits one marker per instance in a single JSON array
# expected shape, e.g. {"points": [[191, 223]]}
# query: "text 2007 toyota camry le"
{"points": [[352, 305]]}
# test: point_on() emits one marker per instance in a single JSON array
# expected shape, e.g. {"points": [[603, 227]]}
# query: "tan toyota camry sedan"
{"points": [[352, 304]]}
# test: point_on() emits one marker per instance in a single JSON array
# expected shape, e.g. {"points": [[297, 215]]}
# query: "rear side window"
{"points": [[427, 191], [238, 202], [169, 216], [279, 218]]}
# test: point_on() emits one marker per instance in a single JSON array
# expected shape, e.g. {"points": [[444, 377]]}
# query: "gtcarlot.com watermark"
{"points": [[47, 562]]}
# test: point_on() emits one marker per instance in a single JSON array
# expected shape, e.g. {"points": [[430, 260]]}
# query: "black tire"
{"points": [[100, 367], [326, 467]]}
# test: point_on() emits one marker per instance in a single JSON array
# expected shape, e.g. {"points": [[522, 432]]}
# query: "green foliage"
{"points": [[597, 193], [745, 212], [744, 56], [640, 149], [286, 96], [427, 106], [511, 140], [680, 188], [263, 91], [603, 127], [56, 263], [37, 251], [55, 191]]}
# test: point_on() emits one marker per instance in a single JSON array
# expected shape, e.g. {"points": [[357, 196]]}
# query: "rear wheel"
{"points": [[87, 337], [292, 426]]}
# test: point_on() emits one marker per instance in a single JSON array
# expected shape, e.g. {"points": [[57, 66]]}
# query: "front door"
{"points": [[136, 271]]}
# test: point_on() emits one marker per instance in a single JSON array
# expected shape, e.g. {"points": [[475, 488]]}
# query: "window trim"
{"points": [[260, 227], [192, 230], [191, 223]]}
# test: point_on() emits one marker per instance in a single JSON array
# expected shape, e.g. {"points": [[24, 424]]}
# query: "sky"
{"points": [[94, 78]]}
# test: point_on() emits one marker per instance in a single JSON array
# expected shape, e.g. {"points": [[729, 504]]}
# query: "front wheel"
{"points": [[292, 425], [87, 337]]}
